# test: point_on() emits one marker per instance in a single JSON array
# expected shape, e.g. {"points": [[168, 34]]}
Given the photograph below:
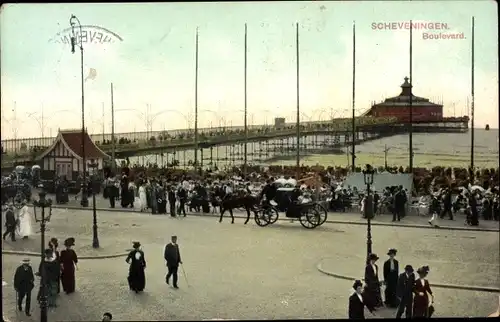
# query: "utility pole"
{"points": [[113, 143], [298, 100], [42, 124], [103, 137], [245, 150], [148, 116], [196, 103], [353, 154], [386, 150], [14, 130]]}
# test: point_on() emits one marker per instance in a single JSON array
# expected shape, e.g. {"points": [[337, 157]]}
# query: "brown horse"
{"points": [[238, 200]]}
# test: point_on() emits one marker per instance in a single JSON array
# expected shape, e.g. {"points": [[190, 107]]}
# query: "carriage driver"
{"points": [[269, 191], [294, 199]]}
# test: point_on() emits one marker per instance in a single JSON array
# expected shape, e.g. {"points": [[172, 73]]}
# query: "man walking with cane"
{"points": [[173, 257], [24, 282]]}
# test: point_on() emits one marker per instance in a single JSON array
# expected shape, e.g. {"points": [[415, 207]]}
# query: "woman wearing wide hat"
{"points": [[357, 302], [391, 275], [69, 262], [372, 281], [137, 261], [423, 298]]}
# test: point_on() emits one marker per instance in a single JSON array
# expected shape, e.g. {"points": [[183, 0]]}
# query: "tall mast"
{"points": [[353, 153], [196, 104], [472, 106], [113, 143], [298, 99], [410, 136], [245, 164]]}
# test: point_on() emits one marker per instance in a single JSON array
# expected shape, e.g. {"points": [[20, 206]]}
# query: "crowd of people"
{"points": [[405, 292], [182, 193]]}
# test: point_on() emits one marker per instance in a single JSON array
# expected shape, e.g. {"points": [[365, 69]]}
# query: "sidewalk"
{"points": [[481, 277], [412, 221], [114, 238]]}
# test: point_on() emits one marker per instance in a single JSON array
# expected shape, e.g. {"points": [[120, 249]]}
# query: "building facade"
{"points": [[64, 156]]}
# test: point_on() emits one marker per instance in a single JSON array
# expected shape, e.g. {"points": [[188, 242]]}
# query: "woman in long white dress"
{"points": [[25, 229], [143, 198]]}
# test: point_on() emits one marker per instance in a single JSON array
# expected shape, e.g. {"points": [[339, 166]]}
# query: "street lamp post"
{"points": [[43, 203], [95, 237], [368, 173], [73, 21]]}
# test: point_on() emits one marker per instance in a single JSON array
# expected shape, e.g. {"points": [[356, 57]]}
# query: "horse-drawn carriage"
{"points": [[310, 214], [16, 187]]}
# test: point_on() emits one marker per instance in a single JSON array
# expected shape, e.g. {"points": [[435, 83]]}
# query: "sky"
{"points": [[151, 62]]}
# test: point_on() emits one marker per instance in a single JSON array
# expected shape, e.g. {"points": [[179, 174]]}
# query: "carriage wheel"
{"points": [[272, 214], [261, 219], [323, 213], [314, 217], [306, 216]]}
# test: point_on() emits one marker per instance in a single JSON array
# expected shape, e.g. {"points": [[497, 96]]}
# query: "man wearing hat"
{"points": [[173, 257], [404, 293], [24, 282], [10, 223], [391, 274], [372, 281]]}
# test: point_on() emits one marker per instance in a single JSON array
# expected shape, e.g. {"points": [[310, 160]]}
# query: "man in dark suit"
{"points": [[391, 274], [405, 292], [173, 257], [447, 205], [10, 224], [400, 200], [24, 282], [182, 194], [171, 200]]}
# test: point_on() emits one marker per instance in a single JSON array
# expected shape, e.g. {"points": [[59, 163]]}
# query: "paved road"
{"points": [[248, 272]]}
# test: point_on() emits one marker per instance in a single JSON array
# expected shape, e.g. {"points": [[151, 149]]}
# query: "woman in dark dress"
{"points": [[136, 276], [422, 292], [391, 276], [54, 244], [69, 262], [125, 198], [372, 281], [357, 303]]}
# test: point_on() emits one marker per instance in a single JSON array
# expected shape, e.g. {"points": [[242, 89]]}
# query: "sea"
{"points": [[430, 149]]}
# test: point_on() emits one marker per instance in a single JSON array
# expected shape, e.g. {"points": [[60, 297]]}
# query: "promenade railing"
{"points": [[221, 135]]}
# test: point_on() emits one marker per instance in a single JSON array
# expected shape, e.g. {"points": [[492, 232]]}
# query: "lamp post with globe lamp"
{"points": [[73, 21], [368, 212], [43, 203]]}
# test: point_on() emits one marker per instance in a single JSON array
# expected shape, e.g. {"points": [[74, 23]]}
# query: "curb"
{"points": [[412, 226], [33, 254], [344, 222], [446, 286]]}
